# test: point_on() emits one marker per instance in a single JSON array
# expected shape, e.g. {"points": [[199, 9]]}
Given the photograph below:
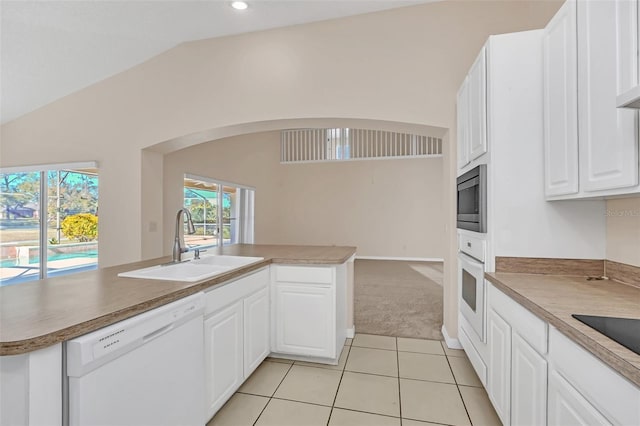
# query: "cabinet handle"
{"points": [[468, 244]]}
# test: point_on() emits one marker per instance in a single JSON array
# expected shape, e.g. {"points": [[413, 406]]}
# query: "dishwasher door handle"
{"points": [[157, 333]]}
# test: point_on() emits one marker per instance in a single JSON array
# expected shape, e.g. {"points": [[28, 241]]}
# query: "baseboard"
{"points": [[451, 342], [351, 332], [405, 259]]}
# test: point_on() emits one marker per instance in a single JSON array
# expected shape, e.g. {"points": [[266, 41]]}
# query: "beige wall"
{"points": [[388, 208], [403, 65], [623, 230]]}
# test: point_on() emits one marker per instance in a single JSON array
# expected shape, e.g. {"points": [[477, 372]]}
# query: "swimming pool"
{"points": [[8, 263], [30, 271]]}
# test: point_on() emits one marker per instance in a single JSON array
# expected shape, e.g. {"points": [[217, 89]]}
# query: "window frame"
{"points": [[43, 201]]}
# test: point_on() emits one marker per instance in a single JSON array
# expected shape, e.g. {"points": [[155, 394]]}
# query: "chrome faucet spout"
{"points": [[179, 245]]}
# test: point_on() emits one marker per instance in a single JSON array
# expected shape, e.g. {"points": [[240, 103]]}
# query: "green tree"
{"points": [[18, 189], [82, 227]]}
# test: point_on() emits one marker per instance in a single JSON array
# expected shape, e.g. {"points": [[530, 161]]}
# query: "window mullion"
{"points": [[44, 202], [220, 216]]}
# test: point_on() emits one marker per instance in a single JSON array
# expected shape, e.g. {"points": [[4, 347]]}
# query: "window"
{"points": [[48, 210], [344, 144], [222, 212]]}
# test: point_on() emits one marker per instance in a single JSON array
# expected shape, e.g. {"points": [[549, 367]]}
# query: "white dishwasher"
{"points": [[145, 370]]}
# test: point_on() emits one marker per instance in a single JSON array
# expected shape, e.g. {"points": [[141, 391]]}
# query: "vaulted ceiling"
{"points": [[50, 49]]}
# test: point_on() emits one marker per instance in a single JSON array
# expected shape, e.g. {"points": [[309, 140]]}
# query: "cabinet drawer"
{"points": [[304, 274], [474, 357], [474, 247], [613, 395], [235, 290], [531, 328]]}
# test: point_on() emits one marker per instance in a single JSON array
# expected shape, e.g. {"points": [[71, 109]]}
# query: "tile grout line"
{"points": [[274, 392], [333, 405], [380, 349], [460, 393], [369, 412], [399, 389], [343, 370]]}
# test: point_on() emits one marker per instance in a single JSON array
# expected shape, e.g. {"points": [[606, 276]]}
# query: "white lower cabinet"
{"points": [[567, 407], [499, 377], [517, 375], [236, 335], [538, 376], [256, 330], [528, 384], [31, 387], [586, 386], [517, 370], [305, 320], [223, 355], [307, 311]]}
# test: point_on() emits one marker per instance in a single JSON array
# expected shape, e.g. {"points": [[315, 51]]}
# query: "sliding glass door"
{"points": [[222, 212], [48, 221]]}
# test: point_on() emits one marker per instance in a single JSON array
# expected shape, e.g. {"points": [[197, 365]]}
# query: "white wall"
{"points": [[623, 230], [403, 65], [521, 222], [387, 208]]}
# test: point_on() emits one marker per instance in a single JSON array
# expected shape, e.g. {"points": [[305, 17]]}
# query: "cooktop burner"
{"points": [[625, 331]]}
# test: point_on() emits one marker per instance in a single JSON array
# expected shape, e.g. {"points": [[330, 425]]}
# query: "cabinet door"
{"points": [[627, 44], [463, 124], [256, 330], [477, 88], [608, 135], [305, 320], [567, 407], [561, 102], [499, 370], [528, 384], [223, 356]]}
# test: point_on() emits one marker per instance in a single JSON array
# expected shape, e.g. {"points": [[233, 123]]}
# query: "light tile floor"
{"points": [[379, 381]]}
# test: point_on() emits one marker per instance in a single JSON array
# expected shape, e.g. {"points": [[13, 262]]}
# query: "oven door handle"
{"points": [[470, 260]]}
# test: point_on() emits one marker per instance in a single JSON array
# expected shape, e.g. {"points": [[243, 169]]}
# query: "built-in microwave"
{"points": [[472, 200]]}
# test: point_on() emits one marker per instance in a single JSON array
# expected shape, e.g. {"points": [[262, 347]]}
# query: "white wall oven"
{"points": [[471, 288]]}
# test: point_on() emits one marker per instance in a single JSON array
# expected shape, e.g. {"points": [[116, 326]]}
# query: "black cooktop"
{"points": [[625, 331]]}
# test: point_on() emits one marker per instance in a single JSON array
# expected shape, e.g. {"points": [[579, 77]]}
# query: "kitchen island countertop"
{"points": [[37, 314]]}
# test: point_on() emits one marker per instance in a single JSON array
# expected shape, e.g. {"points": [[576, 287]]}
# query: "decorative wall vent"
{"points": [[344, 144]]}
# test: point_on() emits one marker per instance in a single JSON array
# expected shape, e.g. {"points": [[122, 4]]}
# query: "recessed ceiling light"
{"points": [[239, 5]]}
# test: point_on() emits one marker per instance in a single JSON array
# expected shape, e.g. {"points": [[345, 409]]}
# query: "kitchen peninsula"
{"points": [[37, 317]]}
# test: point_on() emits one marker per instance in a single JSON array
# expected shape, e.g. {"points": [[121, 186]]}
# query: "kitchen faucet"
{"points": [[179, 246]]}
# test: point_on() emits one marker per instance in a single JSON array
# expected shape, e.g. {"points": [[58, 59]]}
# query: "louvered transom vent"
{"points": [[344, 144]]}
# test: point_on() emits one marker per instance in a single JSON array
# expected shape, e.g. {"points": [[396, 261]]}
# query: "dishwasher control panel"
{"points": [[87, 352]]}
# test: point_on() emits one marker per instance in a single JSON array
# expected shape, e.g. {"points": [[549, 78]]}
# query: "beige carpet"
{"points": [[395, 298]]}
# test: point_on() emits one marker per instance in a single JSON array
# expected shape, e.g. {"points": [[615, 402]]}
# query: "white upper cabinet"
{"points": [[463, 125], [608, 135], [561, 102], [591, 46], [472, 112], [477, 88], [627, 47]]}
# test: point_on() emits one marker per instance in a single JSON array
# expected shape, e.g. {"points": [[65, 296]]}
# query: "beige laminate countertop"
{"points": [[554, 298], [37, 314]]}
